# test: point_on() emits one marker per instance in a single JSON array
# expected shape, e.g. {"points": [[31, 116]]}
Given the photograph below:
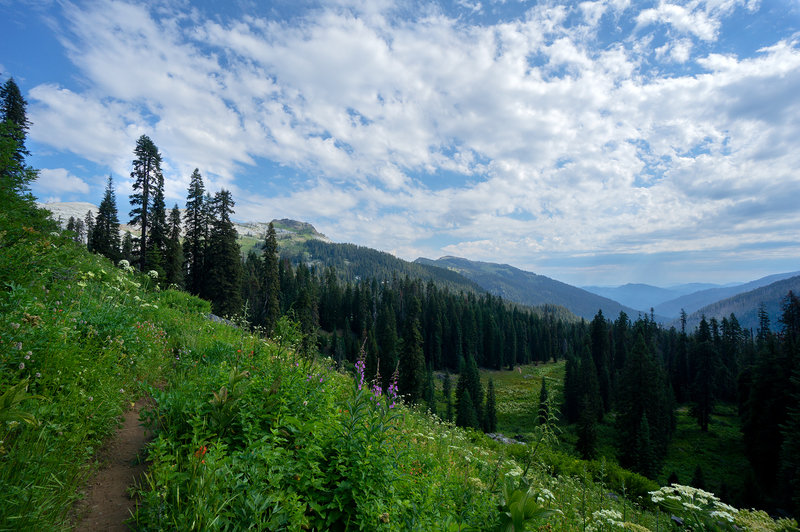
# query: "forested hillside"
{"points": [[751, 307], [529, 288]]}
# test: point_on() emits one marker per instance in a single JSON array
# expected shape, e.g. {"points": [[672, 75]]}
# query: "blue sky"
{"points": [[597, 142]]}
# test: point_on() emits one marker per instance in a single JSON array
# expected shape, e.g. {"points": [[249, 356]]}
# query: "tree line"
{"points": [[638, 373], [635, 372]]}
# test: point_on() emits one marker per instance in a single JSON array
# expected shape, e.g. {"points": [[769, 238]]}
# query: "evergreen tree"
{"points": [[147, 180], [412, 358], [270, 283], [13, 115], [599, 339], [705, 357], [224, 265], [173, 252], [447, 393], [105, 235], [465, 414], [88, 221], [642, 393], [126, 251], [159, 231], [698, 479], [572, 391], [196, 224], [490, 424], [646, 462], [587, 428], [543, 413], [387, 341], [429, 391]]}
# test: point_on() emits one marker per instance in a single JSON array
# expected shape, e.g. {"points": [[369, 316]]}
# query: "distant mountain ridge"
{"points": [[745, 306], [528, 288], [697, 300]]}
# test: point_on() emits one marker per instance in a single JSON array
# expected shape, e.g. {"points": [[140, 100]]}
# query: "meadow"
{"points": [[249, 434]]}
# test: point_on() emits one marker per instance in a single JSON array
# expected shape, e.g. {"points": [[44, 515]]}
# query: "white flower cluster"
{"points": [[125, 266], [609, 517], [152, 274], [695, 500]]}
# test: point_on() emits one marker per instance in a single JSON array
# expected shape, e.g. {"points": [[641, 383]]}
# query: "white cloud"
{"points": [[521, 138], [60, 180]]}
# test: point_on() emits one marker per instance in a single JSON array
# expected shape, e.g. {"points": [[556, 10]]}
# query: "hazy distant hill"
{"points": [[635, 295], [531, 289], [745, 306], [692, 302]]}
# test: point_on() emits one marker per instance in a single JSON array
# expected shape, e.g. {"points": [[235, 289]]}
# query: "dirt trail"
{"points": [[107, 504]]}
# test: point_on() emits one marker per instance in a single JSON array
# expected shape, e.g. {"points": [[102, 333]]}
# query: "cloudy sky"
{"points": [[597, 142]]}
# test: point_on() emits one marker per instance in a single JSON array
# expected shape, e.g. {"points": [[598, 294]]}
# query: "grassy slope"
{"points": [[290, 443]]}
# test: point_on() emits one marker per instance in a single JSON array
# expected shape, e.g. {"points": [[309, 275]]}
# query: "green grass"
{"points": [[517, 394], [719, 452], [249, 433]]}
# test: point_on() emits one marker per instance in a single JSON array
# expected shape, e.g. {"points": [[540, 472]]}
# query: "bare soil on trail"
{"points": [[107, 504]]}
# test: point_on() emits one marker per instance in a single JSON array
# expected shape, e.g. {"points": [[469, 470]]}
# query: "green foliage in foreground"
{"points": [[248, 433]]}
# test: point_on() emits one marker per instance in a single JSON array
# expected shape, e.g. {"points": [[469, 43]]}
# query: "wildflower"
{"points": [[91, 398], [18, 346], [152, 274], [22, 365], [15, 325], [28, 355], [121, 390], [305, 403], [38, 375]]}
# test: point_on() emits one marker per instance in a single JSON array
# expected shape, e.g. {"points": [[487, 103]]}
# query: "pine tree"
{"points": [[387, 341], [270, 282], [147, 181], [159, 232], [88, 221], [105, 235], [645, 457], [465, 414], [126, 251], [412, 358], [223, 263], [447, 393], [543, 413], [587, 428], [429, 391], [706, 363], [173, 250], [196, 224], [13, 114], [490, 425]]}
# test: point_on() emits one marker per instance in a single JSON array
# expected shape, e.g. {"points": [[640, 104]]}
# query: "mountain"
{"points": [[354, 262], [638, 296], [529, 288], [697, 300], [746, 305]]}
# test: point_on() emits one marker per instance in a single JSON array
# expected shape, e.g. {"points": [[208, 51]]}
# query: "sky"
{"points": [[598, 143]]}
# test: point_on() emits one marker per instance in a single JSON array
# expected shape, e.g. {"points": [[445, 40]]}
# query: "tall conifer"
{"points": [[147, 181], [196, 224]]}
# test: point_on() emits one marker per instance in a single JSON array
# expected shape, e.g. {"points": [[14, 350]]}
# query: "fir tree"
{"points": [[387, 341], [147, 180], [543, 414], [270, 282], [196, 224], [126, 251], [705, 357], [587, 428], [447, 393], [645, 458], [105, 235], [88, 221], [173, 250], [429, 391], [13, 115], [412, 359], [224, 265], [465, 414], [490, 425]]}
